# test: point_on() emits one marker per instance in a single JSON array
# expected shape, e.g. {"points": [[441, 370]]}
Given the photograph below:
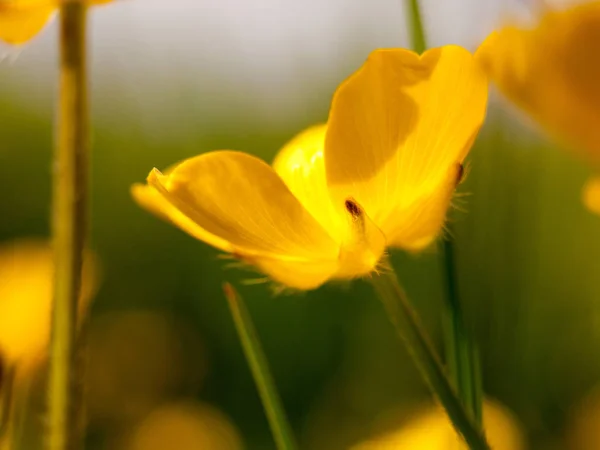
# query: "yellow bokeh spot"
{"points": [[591, 195], [137, 359], [26, 274], [432, 430], [183, 426]]}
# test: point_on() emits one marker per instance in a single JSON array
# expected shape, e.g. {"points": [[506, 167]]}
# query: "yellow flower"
{"points": [[380, 174], [433, 431], [551, 71], [26, 271], [21, 20]]}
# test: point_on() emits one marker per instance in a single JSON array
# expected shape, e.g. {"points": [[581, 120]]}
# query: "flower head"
{"points": [[379, 174], [21, 20], [551, 71]]}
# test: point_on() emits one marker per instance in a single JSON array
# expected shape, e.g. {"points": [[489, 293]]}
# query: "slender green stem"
{"points": [[417, 33], [461, 351], [69, 222], [257, 361], [408, 326]]}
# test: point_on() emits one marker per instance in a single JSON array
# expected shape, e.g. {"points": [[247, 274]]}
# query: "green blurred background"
{"points": [[528, 255]]}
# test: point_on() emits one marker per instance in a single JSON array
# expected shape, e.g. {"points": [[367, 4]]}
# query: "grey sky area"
{"points": [[231, 55]]}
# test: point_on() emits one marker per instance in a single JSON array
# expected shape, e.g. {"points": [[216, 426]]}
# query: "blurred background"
{"points": [[172, 79]]}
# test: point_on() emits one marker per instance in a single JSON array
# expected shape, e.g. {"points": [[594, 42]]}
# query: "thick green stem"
{"points": [[259, 366], [69, 220], [461, 351], [408, 326]]}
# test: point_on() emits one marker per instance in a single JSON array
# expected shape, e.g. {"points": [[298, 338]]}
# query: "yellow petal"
{"points": [[301, 166], [397, 130], [152, 200], [591, 195], [551, 71], [240, 205], [22, 20]]}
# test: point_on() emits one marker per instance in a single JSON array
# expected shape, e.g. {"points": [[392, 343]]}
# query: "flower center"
{"points": [[360, 253]]}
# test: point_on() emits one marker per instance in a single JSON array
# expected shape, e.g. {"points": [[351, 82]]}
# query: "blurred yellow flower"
{"points": [[183, 426], [433, 431], [26, 272], [380, 173], [21, 20], [551, 71]]}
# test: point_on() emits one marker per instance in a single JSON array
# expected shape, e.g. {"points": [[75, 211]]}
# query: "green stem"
{"points": [[461, 351], [257, 361], [417, 33], [69, 221], [408, 326]]}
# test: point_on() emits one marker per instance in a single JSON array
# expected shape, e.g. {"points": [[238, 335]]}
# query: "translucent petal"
{"points": [[397, 130], [149, 198], [552, 72], [240, 205], [301, 166]]}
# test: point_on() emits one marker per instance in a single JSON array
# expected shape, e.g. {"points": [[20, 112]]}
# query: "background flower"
{"points": [[21, 20], [550, 71], [26, 271]]}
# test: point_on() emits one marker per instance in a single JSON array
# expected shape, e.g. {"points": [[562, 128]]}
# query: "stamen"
{"points": [[362, 248], [353, 208], [358, 217]]}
